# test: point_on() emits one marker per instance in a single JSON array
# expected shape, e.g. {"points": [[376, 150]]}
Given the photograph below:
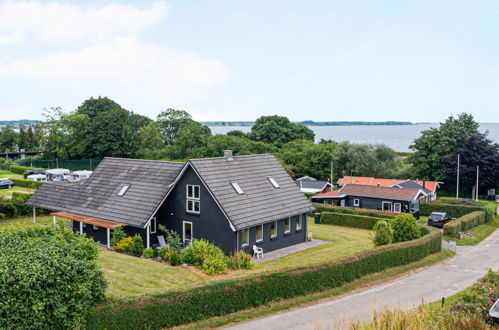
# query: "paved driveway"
{"points": [[429, 284]]}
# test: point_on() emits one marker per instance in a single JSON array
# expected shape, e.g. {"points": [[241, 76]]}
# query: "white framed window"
{"points": [[274, 182], [123, 190], [356, 202], [287, 226], [273, 229], [259, 233], [397, 207], [152, 229], [95, 227], [245, 237], [187, 232], [193, 203], [237, 187], [299, 221], [386, 206]]}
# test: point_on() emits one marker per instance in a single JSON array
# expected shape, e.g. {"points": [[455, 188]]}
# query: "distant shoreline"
{"points": [[315, 123]]}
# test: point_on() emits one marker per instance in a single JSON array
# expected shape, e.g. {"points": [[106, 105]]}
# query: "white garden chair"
{"points": [[257, 252]]}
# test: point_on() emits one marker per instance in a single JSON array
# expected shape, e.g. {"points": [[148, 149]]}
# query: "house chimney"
{"points": [[228, 154], [424, 184]]}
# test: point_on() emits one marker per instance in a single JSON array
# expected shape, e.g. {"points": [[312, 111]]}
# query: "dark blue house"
{"points": [[233, 202]]}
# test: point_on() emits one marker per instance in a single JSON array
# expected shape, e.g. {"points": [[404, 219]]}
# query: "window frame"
{"points": [[245, 232], [256, 233], [383, 206], [299, 220], [289, 226], [193, 186], [192, 199], [123, 190], [274, 223], [274, 182], [399, 207], [183, 232], [95, 228], [237, 188], [356, 202], [153, 221]]}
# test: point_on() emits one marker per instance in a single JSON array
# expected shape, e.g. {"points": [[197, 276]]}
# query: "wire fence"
{"points": [[72, 165]]}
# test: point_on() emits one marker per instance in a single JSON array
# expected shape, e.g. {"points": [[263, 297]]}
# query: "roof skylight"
{"points": [[237, 188], [123, 190], [274, 182]]}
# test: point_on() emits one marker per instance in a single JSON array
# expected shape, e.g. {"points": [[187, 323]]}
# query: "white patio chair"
{"points": [[257, 252], [161, 241]]}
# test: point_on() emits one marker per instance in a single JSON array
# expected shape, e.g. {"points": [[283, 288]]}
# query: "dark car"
{"points": [[439, 219], [36, 171], [6, 183]]}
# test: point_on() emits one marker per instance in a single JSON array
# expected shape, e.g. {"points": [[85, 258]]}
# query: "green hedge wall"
{"points": [[354, 210], [228, 296], [27, 183], [349, 220], [456, 210], [20, 169], [464, 223]]}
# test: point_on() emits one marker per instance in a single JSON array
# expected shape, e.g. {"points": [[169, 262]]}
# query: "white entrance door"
{"points": [[187, 232], [387, 206]]}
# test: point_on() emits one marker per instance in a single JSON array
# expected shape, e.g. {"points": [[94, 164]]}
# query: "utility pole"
{"points": [[476, 190], [457, 184], [332, 170]]}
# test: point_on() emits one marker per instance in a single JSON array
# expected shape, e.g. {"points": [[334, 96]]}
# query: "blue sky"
{"points": [[414, 61]]}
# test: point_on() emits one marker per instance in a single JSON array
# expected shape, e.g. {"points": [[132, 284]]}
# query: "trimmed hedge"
{"points": [[464, 223], [27, 183], [456, 210], [354, 210], [349, 220], [228, 296], [20, 169]]}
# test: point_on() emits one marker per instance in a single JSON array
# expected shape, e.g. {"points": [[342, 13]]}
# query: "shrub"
{"points": [[137, 246], [20, 169], [383, 233], [214, 265], [27, 183], [464, 223], [7, 208], [148, 253], [232, 295], [118, 235], [200, 251], [174, 258], [405, 228], [123, 245], [349, 220], [49, 278], [164, 254], [2, 216], [240, 260], [172, 239]]}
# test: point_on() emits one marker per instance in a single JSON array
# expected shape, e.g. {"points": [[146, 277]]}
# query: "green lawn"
{"points": [[26, 221], [479, 233], [8, 192], [8, 174]]}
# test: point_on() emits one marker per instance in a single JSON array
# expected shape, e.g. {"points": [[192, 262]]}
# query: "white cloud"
{"points": [[58, 22]]}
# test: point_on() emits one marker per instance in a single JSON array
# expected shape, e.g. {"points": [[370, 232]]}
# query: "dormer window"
{"points": [[123, 190], [237, 188], [274, 182]]}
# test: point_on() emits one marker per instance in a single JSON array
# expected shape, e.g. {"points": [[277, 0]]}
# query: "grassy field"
{"points": [[8, 174], [26, 221], [8, 192]]}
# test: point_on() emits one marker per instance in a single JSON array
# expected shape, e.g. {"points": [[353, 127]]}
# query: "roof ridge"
{"points": [[146, 160], [235, 157]]}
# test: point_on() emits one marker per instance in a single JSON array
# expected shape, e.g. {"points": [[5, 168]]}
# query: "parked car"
{"points": [[6, 183], [36, 171], [439, 219]]}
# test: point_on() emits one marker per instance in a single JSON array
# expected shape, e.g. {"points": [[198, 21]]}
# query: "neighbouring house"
{"points": [[233, 202], [429, 187], [311, 185], [392, 199]]}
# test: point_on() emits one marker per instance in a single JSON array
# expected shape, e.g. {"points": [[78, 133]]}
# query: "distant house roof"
{"points": [[261, 201], [412, 185], [148, 181], [373, 191], [372, 181], [312, 185]]}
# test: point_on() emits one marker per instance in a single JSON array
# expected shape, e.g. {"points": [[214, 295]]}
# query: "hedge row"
{"points": [[349, 220], [456, 210], [16, 206], [20, 169], [464, 223], [355, 210], [228, 296], [27, 183]]}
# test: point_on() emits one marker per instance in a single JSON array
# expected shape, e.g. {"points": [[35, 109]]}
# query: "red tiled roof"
{"points": [[372, 181], [373, 191]]}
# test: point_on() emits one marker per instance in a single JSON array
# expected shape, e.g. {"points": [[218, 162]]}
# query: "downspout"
{"points": [[237, 241]]}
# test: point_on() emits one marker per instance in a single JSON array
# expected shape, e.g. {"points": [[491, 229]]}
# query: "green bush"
{"points": [[239, 260], [405, 228], [214, 265], [172, 239], [174, 258], [164, 254], [2, 216], [200, 251], [349, 220], [148, 253], [118, 235], [16, 205], [7, 208], [123, 245], [354, 210], [383, 233], [457, 210], [464, 223], [137, 246], [49, 278], [232, 295], [27, 183]]}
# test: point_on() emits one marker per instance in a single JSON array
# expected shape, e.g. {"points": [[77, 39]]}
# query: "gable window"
{"points": [[259, 233], [153, 226], [356, 202], [274, 182], [299, 223], [193, 198], [286, 226], [237, 187], [397, 207], [245, 237], [123, 190], [273, 229]]}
